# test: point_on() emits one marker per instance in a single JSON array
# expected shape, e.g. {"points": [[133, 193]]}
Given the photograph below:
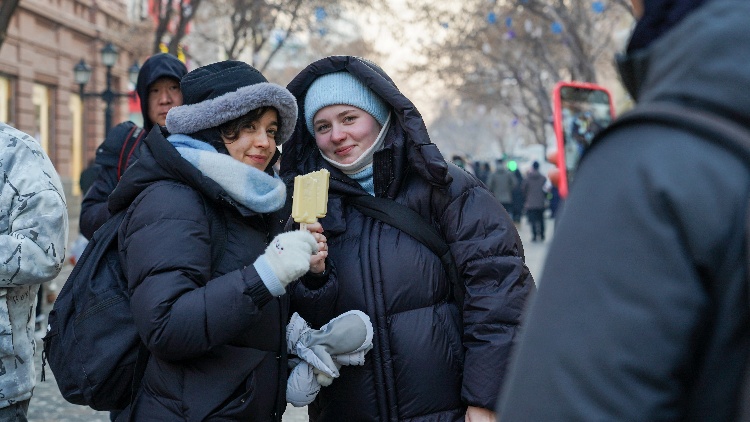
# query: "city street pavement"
{"points": [[47, 405]]}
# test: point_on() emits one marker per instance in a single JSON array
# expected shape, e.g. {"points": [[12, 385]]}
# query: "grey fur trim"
{"points": [[191, 118]]}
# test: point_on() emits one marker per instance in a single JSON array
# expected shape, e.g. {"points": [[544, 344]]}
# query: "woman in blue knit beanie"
{"points": [[440, 350], [348, 121]]}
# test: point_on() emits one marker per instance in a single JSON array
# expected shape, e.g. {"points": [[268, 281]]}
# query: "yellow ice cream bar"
{"points": [[310, 197]]}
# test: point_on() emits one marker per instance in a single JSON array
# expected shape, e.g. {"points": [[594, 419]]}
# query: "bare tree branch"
{"points": [[508, 55]]}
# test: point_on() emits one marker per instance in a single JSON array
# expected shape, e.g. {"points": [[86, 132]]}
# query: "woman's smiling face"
{"points": [[343, 132], [255, 142]]}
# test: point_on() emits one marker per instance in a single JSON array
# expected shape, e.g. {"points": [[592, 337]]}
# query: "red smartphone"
{"points": [[581, 110]]}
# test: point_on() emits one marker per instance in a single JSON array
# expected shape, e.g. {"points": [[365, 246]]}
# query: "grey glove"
{"points": [[342, 341], [287, 258]]}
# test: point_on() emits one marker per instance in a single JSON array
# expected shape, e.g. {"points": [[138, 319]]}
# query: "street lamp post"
{"points": [[82, 74]]}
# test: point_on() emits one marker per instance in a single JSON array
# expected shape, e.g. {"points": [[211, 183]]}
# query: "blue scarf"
{"points": [[247, 185], [365, 179]]}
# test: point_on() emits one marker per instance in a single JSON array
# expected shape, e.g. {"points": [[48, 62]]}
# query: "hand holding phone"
{"points": [[581, 110]]}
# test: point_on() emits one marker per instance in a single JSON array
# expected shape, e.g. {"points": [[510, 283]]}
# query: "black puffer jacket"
{"points": [[424, 365], [642, 314], [216, 338]]}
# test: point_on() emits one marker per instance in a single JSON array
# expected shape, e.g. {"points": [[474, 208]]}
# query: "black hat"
{"points": [[223, 91], [659, 16]]}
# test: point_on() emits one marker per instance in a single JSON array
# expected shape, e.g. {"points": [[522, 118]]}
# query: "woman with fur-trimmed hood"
{"points": [[433, 359], [215, 330]]}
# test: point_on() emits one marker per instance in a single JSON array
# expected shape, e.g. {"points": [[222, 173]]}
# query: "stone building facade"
{"points": [[38, 93]]}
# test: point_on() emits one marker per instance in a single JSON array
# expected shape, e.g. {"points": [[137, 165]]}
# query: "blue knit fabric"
{"points": [[244, 183], [342, 88], [268, 277], [365, 179]]}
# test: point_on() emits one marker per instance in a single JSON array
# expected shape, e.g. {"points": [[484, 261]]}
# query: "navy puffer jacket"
{"points": [[426, 364], [216, 335]]}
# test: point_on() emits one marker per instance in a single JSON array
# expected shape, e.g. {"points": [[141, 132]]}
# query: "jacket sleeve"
{"points": [[489, 256], [34, 227], [94, 212], [179, 311], [314, 296]]}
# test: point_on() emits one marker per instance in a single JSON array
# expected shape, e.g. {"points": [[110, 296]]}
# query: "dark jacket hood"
{"points": [[301, 154], [157, 66], [659, 16], [703, 61]]}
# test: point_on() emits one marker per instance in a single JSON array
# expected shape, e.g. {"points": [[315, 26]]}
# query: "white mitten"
{"points": [[287, 258]]}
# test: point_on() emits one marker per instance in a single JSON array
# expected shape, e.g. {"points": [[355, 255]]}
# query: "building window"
{"points": [[76, 153], [6, 96], [41, 98]]}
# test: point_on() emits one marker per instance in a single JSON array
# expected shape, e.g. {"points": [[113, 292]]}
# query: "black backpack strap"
{"points": [[128, 148], [712, 127], [413, 224]]}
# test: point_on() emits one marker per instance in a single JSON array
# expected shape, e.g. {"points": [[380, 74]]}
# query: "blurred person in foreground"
{"points": [[433, 360], [33, 232], [642, 311]]}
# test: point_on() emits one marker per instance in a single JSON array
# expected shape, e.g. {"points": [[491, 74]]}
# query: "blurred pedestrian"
{"points": [[434, 359], [554, 199], [482, 170], [643, 313], [158, 89], [33, 232], [462, 163], [517, 198], [501, 183], [535, 201], [215, 331], [88, 176]]}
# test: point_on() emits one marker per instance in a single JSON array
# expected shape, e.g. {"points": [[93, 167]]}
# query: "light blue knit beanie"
{"points": [[342, 88]]}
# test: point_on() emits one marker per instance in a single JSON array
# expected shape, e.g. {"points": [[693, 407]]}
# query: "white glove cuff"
{"points": [[268, 277]]}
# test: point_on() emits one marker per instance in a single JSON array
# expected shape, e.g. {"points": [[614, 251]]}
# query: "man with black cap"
{"points": [[158, 89], [642, 312]]}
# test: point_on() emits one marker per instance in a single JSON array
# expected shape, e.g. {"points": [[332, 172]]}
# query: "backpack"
{"points": [[119, 147], [92, 344], [410, 222], [128, 148], [713, 128]]}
